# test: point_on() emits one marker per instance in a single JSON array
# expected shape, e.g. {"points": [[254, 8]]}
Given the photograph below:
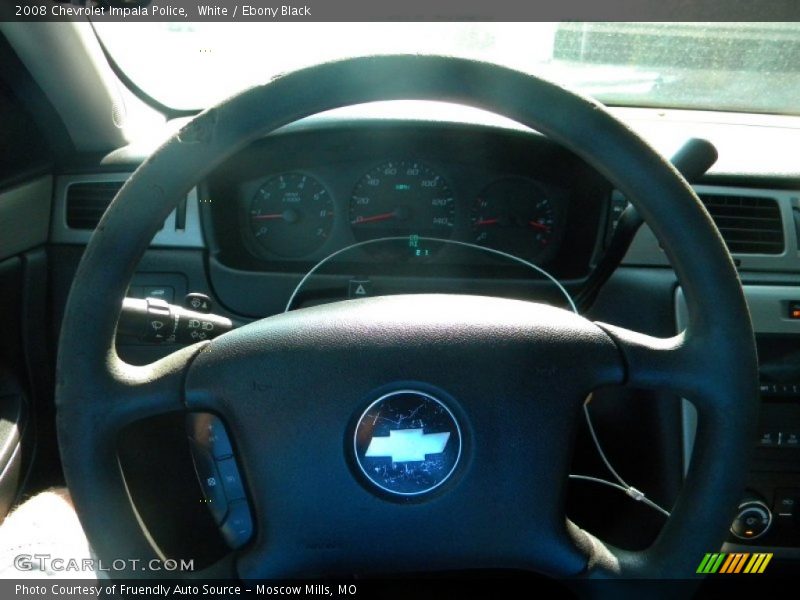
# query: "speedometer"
{"points": [[402, 198]]}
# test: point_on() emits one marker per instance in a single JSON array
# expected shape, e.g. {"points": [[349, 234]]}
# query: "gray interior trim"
{"points": [[688, 411], [645, 250], [769, 310], [768, 304], [689, 427], [25, 216], [189, 237]]}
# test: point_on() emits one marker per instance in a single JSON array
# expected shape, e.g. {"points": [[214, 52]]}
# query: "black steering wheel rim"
{"points": [[712, 362]]}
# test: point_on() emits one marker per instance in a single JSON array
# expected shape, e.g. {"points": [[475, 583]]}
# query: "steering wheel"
{"points": [[508, 378]]}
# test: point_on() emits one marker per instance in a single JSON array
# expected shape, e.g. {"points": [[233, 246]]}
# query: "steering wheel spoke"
{"points": [[119, 396], [681, 364], [655, 363], [698, 367], [145, 391]]}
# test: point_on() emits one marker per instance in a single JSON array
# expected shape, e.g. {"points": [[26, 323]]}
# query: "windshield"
{"points": [[741, 67]]}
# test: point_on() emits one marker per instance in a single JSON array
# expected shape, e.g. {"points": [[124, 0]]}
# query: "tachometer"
{"points": [[291, 215], [515, 215], [402, 198]]}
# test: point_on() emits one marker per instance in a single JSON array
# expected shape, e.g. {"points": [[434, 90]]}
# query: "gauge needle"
{"points": [[290, 216], [480, 222], [380, 217], [537, 225]]}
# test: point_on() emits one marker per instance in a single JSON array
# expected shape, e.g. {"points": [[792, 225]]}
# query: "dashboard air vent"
{"points": [[748, 225], [86, 202]]}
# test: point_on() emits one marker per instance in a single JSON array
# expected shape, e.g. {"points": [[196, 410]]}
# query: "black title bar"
{"points": [[398, 10]]}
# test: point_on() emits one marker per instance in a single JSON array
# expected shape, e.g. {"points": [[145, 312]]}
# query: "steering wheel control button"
{"points": [[407, 443], [231, 481], [752, 521], [786, 501], [238, 527], [155, 320], [198, 302], [160, 292], [210, 482], [768, 439], [219, 477], [159, 320], [359, 288], [209, 433]]}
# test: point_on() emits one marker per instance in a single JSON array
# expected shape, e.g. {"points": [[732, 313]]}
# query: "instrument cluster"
{"points": [[399, 210]]}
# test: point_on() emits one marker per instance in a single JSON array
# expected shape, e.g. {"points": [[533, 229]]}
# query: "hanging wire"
{"points": [[399, 238]]}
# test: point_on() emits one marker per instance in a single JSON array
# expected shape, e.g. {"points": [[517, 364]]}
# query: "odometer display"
{"points": [[402, 198], [291, 215]]}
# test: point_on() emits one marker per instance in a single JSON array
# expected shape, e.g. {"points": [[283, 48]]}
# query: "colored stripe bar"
{"points": [[709, 562], [767, 558], [758, 563], [736, 562], [715, 566], [755, 562], [704, 562], [740, 563], [727, 566]]}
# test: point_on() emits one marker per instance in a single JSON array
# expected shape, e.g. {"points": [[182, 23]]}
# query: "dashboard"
{"points": [[405, 199], [335, 187]]}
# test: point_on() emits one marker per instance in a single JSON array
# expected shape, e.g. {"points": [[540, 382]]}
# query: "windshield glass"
{"points": [[742, 67]]}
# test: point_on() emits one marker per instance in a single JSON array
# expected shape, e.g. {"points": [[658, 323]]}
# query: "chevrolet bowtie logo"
{"points": [[407, 445]]}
